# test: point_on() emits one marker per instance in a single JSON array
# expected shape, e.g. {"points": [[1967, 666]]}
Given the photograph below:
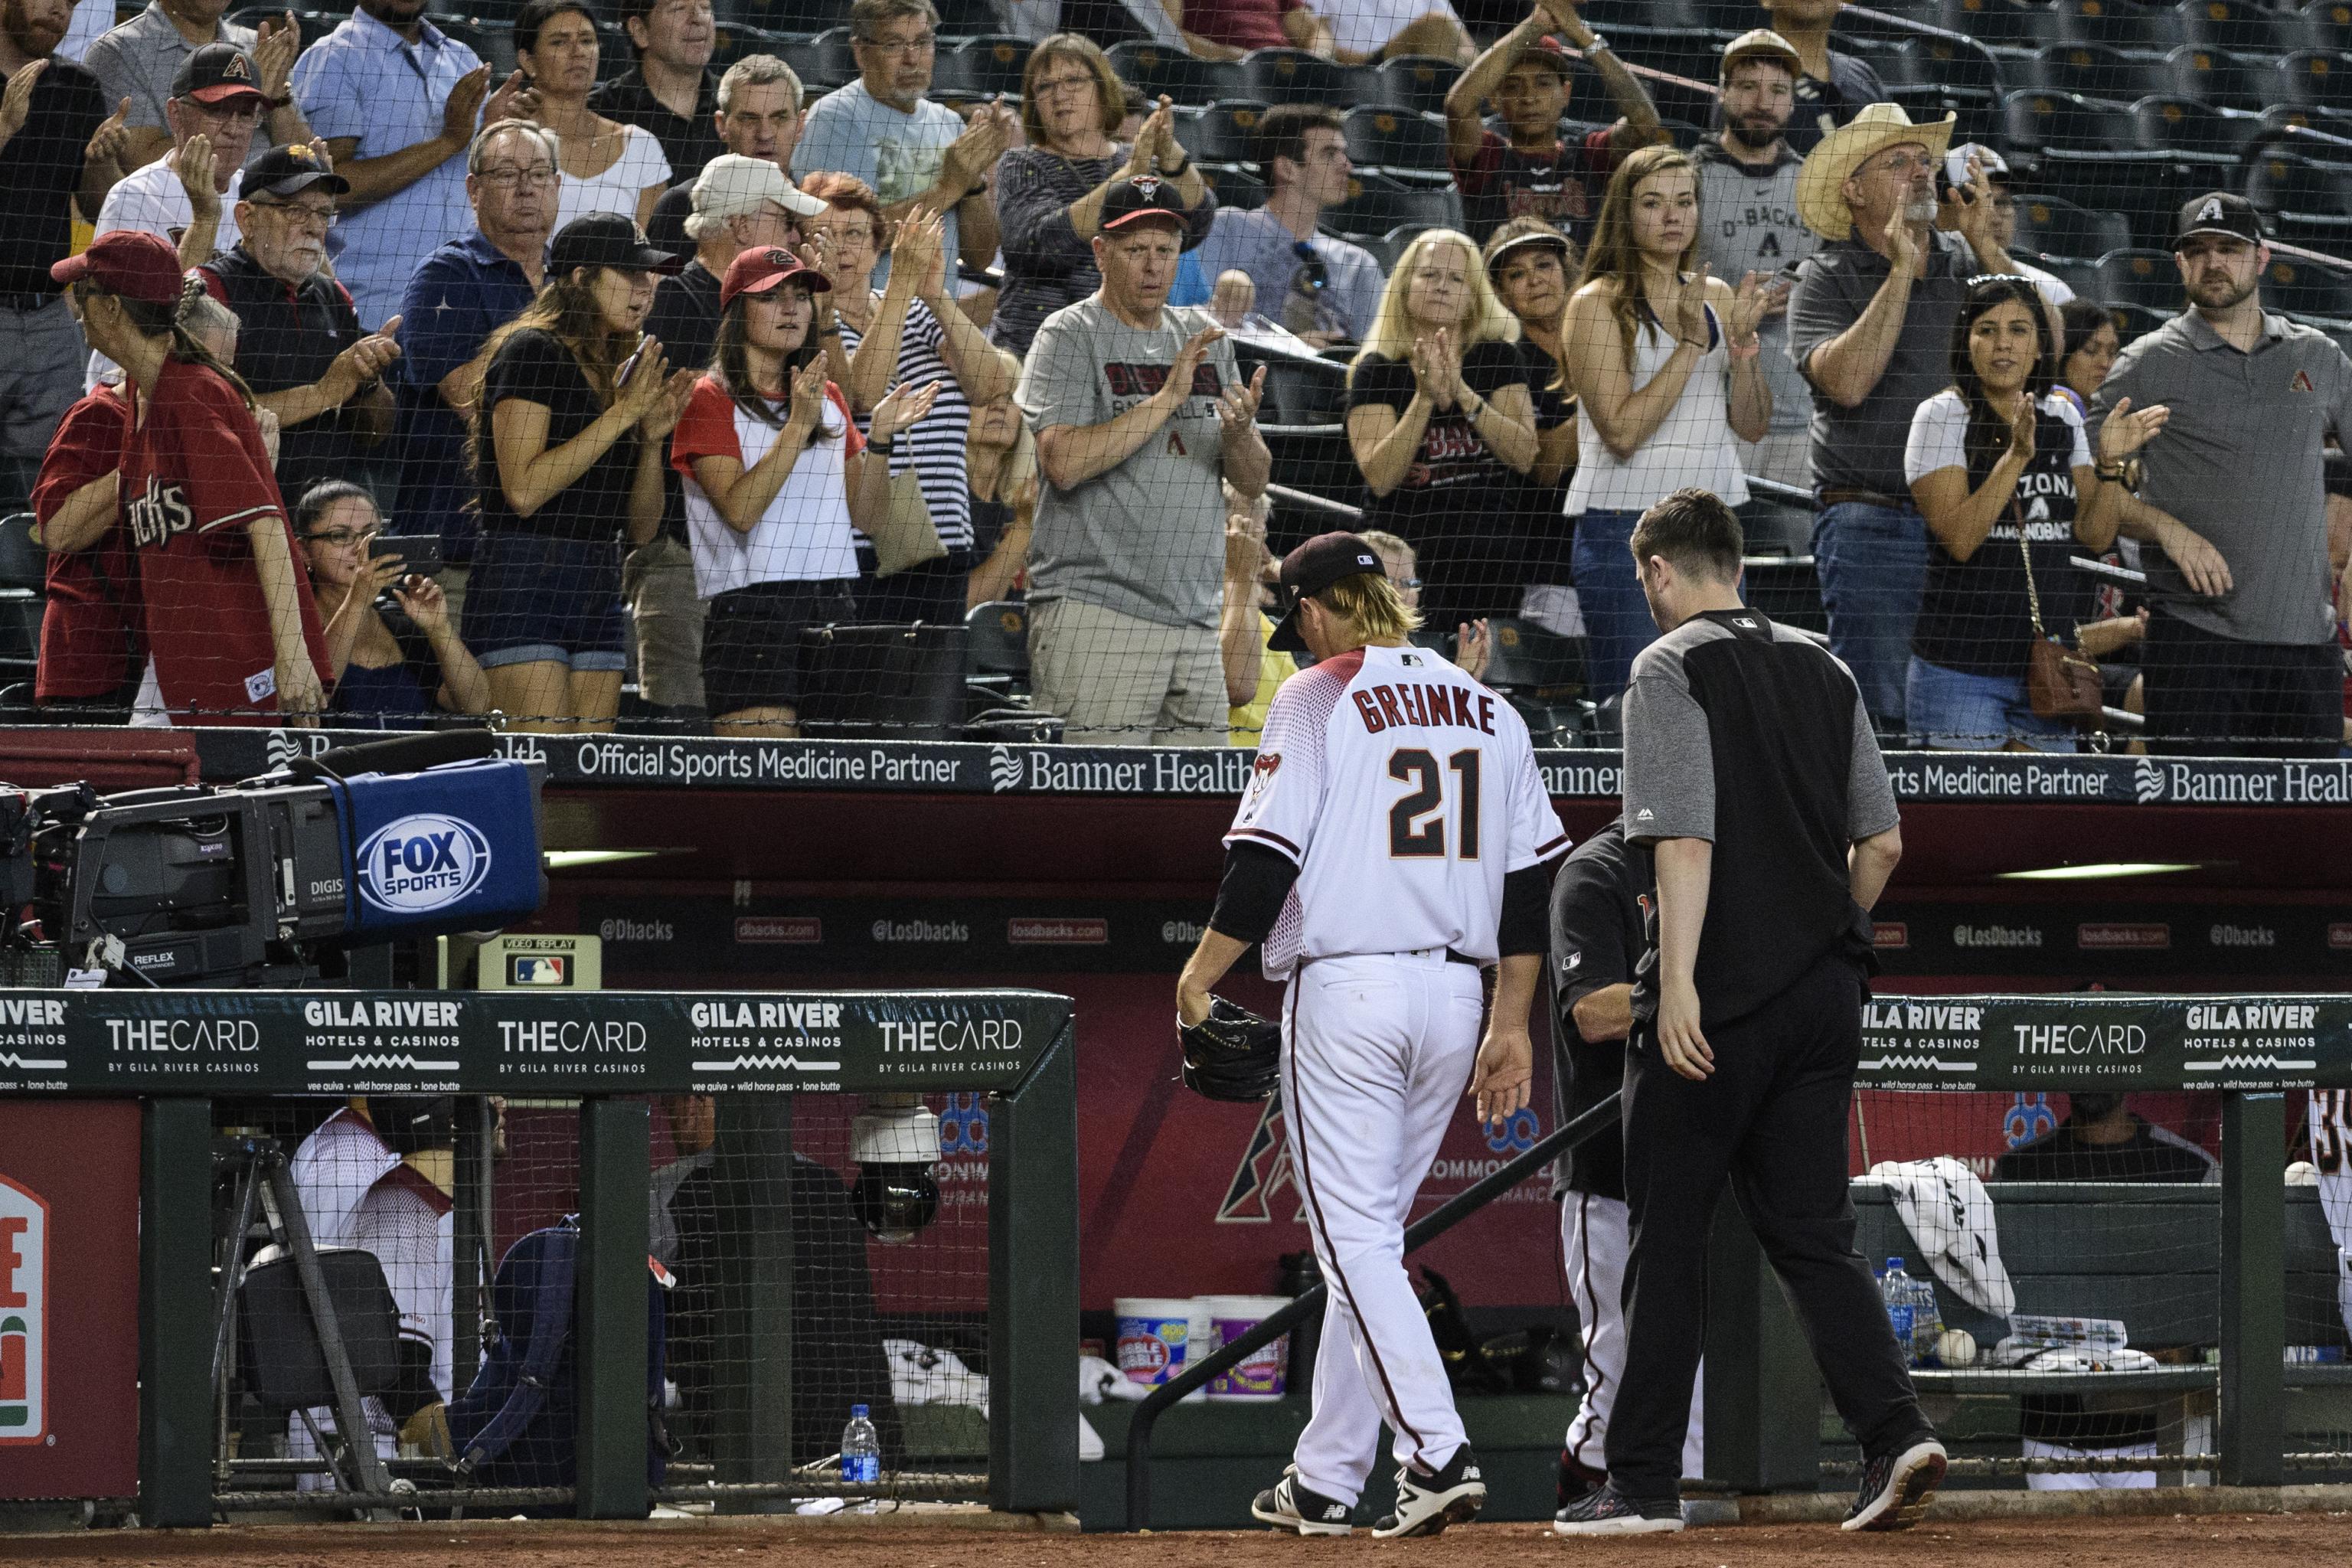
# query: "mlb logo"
{"points": [[538, 968]]}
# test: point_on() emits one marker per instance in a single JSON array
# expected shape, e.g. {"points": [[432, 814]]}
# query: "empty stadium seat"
{"points": [[1390, 248], [2136, 322], [980, 68], [494, 42], [2147, 192], [2003, 24], [1377, 203], [2240, 27], [822, 60], [2324, 135], [1294, 76], [1153, 69], [1396, 142], [1221, 133], [2306, 289], [2189, 132], [1416, 83], [2061, 124], [2317, 78], [2220, 79], [2095, 71], [2304, 200], [1954, 68], [2149, 278], [2118, 25], [1236, 188], [2326, 24], [1300, 392], [2048, 225]]}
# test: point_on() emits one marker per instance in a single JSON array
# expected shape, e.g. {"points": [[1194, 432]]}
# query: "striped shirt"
{"points": [[934, 447]]}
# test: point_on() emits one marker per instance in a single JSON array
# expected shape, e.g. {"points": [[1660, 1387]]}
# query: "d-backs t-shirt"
{"points": [[1561, 184], [593, 509], [194, 477], [1455, 479], [91, 643], [1974, 615]]}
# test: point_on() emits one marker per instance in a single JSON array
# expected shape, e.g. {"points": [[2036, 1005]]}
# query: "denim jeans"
{"points": [[1617, 623], [1954, 710], [1872, 566]]}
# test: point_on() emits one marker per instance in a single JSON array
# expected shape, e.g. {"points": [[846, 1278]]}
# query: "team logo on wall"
{"points": [[1262, 1174], [23, 1314]]}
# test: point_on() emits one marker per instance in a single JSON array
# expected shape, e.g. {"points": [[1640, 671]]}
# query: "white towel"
{"points": [[1950, 1215], [921, 1374]]}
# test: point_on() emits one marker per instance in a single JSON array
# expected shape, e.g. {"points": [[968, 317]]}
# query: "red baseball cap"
{"points": [[217, 74], [771, 267], [129, 262]]}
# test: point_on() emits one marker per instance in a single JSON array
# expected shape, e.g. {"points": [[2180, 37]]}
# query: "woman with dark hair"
{"points": [[1049, 194], [232, 635], [776, 477], [397, 659], [2092, 346], [2001, 470], [568, 441], [607, 166]]}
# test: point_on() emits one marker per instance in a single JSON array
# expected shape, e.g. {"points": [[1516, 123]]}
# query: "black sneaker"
{"points": [[1578, 1479], [1896, 1488], [1289, 1505], [1425, 1505], [1609, 1512]]}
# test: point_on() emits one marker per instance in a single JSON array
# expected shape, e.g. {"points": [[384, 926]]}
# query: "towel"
{"points": [[1949, 1214]]}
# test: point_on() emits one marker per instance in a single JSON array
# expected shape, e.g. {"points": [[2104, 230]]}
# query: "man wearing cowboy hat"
{"points": [[1870, 327]]}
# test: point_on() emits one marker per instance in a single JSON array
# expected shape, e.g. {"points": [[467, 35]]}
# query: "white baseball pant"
{"points": [[1595, 1234], [1376, 1053], [2088, 1480]]}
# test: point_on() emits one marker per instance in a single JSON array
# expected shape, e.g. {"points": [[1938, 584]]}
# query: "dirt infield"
{"points": [[2211, 1541]]}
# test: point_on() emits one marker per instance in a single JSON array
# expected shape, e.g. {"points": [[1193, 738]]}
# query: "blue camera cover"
{"points": [[451, 848]]}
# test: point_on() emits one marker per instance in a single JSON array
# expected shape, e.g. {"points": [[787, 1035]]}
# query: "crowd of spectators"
{"points": [[622, 345]]}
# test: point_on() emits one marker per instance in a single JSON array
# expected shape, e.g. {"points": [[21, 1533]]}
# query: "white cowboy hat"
{"points": [[1821, 198]]}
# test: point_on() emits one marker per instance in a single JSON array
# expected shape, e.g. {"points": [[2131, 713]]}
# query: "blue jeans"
{"points": [[1617, 623], [1953, 710], [1872, 566]]}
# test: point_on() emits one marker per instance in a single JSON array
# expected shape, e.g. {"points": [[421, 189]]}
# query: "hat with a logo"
{"points": [[1143, 198], [1311, 568], [2218, 212], [283, 171], [127, 261], [1544, 54], [1761, 44], [217, 74], [606, 239], [769, 266], [731, 184]]}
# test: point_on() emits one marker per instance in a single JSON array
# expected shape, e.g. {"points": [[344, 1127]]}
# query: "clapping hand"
{"points": [[2128, 429], [363, 360], [1187, 368], [1690, 309], [276, 46], [655, 427], [1902, 245], [1474, 645], [1237, 407], [899, 410], [464, 106], [971, 156], [515, 100], [195, 165], [808, 394], [16, 102], [2020, 432], [1747, 308], [921, 250], [1245, 547], [641, 390], [106, 141], [1151, 137]]}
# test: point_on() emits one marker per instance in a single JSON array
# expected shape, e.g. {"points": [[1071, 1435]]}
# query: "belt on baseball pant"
{"points": [[1847, 497], [1426, 954]]}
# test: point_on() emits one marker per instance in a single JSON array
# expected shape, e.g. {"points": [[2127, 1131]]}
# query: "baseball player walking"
{"points": [[1753, 778], [1391, 846]]}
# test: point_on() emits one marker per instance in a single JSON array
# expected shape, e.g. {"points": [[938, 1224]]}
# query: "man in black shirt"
{"points": [[1753, 778], [1832, 86], [671, 90], [2103, 1141], [58, 145]]}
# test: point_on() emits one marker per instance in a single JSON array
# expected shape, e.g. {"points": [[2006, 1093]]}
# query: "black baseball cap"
{"points": [[283, 171], [2218, 212], [1311, 568], [607, 240], [216, 74], [1143, 198]]}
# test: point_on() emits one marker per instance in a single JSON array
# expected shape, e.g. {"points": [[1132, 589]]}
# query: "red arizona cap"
{"points": [[129, 262], [771, 267]]}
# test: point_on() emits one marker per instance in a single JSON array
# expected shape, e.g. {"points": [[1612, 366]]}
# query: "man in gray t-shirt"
{"points": [[2241, 653], [1142, 416]]}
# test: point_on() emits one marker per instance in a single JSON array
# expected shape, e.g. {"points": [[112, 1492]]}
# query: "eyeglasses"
{"points": [[908, 47], [320, 218], [506, 179], [1061, 84], [1908, 163], [337, 538]]}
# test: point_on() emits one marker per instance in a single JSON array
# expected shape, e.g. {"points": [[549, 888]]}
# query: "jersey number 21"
{"points": [[1417, 821]]}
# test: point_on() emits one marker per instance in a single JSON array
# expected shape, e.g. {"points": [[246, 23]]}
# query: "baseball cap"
{"points": [[130, 262], [1542, 239], [283, 171], [1956, 163], [1140, 199], [215, 74], [772, 266], [606, 239], [1311, 568], [731, 184], [2218, 212], [1760, 44], [1545, 52]]}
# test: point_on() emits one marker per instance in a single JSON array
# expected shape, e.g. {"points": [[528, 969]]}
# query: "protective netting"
{"points": [[1459, 242], [785, 1294]]}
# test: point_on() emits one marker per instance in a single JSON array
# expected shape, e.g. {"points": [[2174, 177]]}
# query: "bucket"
{"points": [[1158, 1336], [1261, 1377]]}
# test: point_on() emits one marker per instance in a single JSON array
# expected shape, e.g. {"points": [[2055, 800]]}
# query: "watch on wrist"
{"points": [[1599, 45]]}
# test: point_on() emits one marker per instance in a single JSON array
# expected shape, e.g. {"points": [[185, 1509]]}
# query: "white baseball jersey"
{"points": [[2331, 1150], [1405, 791]]}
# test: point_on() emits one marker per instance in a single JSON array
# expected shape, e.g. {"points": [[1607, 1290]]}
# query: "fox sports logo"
{"points": [[422, 862]]}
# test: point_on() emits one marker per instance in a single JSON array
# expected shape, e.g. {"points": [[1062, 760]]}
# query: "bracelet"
{"points": [[1180, 170], [1599, 45]]}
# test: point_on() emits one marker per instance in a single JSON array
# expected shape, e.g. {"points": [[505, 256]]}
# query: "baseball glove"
{"points": [[1231, 1054]]}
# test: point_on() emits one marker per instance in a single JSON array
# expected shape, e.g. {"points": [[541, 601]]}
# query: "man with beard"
{"points": [[2240, 656], [301, 348], [59, 146], [1870, 327], [1748, 215]]}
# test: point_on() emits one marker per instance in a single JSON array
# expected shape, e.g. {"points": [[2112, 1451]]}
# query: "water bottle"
{"points": [[1895, 1290], [861, 1450]]}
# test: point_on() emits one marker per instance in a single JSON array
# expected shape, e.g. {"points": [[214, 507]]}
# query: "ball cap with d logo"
{"points": [[2218, 212], [217, 74], [1144, 198], [1311, 568]]}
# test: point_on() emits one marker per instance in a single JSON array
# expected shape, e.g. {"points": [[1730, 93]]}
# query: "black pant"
{"points": [[2212, 696], [1772, 1118]]}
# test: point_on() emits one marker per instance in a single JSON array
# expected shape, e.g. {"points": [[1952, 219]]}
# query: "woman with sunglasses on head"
{"points": [[397, 660], [1049, 194], [776, 477], [2001, 468]]}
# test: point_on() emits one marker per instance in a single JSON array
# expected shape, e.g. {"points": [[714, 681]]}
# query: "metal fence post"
{"points": [[751, 1421], [1763, 1394], [176, 1314], [2253, 1429], [1033, 1287], [610, 1291]]}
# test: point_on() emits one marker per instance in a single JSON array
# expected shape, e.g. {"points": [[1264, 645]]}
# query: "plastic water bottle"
{"points": [[1895, 1290], [861, 1450]]}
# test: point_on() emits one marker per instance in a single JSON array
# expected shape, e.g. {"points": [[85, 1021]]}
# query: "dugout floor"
{"points": [[2210, 1541]]}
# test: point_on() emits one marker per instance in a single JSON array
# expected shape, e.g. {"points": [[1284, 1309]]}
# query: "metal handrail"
{"points": [[1419, 1234]]}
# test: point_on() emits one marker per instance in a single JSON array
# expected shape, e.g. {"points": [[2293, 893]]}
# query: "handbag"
{"points": [[907, 536], [2059, 683]]}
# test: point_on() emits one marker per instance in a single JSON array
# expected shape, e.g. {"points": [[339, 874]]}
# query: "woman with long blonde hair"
{"points": [[1665, 373], [1442, 426]]}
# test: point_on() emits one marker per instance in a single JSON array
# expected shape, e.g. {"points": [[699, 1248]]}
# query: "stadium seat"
{"points": [[999, 633], [494, 42], [2145, 191], [2306, 289], [1397, 143], [2326, 24], [1300, 392], [966, 18], [2188, 131], [1221, 133], [2118, 25], [1390, 248], [1615, 16], [1417, 83], [980, 68], [736, 39], [2148, 278], [1786, 589], [2064, 124], [2220, 79], [1237, 188], [2095, 71], [2003, 24], [1531, 661], [2048, 225], [2304, 200], [822, 60], [24, 574], [1294, 76], [2324, 135], [2317, 78], [790, 15], [2134, 322], [1955, 68], [1377, 203], [2239, 27], [1153, 69]]}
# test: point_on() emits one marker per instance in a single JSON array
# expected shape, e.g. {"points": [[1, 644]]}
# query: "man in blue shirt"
{"points": [[466, 290], [1325, 290], [396, 100]]}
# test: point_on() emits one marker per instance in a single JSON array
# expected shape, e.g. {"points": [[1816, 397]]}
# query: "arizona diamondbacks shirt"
{"points": [[1747, 222]]}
